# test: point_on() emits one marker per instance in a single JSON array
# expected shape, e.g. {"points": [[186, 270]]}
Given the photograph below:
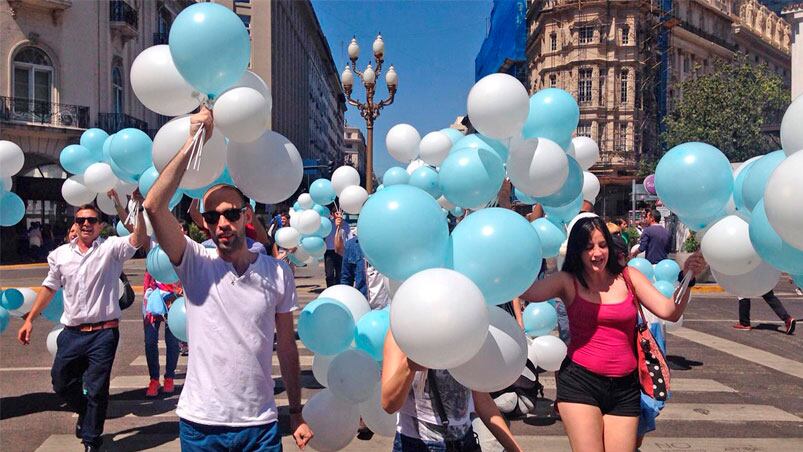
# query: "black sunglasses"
{"points": [[213, 216], [90, 220]]}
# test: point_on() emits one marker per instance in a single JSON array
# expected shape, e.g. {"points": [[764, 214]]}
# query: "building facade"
{"points": [[794, 15], [354, 149], [621, 60]]}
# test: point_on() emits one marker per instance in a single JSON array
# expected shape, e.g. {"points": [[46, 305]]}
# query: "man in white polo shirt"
{"points": [[88, 269], [235, 300]]}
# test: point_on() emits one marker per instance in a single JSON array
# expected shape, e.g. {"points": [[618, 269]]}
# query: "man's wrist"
{"points": [[295, 411]]}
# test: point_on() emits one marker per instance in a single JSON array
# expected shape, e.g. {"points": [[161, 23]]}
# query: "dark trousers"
{"points": [[332, 263], [84, 362], [152, 349], [771, 299]]}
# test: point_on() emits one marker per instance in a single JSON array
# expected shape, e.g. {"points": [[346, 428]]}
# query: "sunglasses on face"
{"points": [[90, 220], [213, 216]]}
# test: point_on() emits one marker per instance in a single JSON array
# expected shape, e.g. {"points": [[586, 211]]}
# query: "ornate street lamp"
{"points": [[369, 109]]}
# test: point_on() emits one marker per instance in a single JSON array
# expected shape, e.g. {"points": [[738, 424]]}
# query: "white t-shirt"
{"points": [[418, 417], [231, 322]]}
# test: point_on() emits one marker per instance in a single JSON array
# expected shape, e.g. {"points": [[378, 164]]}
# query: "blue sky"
{"points": [[431, 44]]}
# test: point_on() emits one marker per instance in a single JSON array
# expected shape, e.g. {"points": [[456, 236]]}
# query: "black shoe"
{"points": [[79, 427], [365, 434], [790, 325], [91, 447]]}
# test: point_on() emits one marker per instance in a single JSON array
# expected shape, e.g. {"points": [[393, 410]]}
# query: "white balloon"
{"points": [[547, 352], [309, 221], [28, 296], [171, 138], [124, 189], [376, 418], [590, 187], [353, 376], [498, 105], [434, 148], [6, 184], [349, 296], [75, 192], [585, 151], [537, 166], [294, 217], [301, 255], [727, 247], [105, 204], [352, 199], [52, 339], [12, 159], [269, 170], [343, 177], [422, 318], [242, 114], [288, 237], [754, 283], [305, 200], [159, 86], [251, 80], [782, 199], [502, 358], [333, 420], [99, 177], [791, 132], [402, 142], [320, 368], [414, 165]]}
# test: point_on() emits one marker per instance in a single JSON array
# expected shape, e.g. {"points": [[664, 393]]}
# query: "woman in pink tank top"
{"points": [[598, 388]]}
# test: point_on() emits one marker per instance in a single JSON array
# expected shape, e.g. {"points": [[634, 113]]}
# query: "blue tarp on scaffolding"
{"points": [[503, 48]]}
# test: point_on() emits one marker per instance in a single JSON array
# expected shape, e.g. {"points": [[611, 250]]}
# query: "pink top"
{"points": [[603, 335]]}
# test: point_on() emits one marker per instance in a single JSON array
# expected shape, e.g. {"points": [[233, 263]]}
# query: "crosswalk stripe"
{"points": [[678, 384], [141, 381], [725, 412], [162, 408], [304, 360]]}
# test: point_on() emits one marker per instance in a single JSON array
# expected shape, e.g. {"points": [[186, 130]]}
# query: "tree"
{"points": [[727, 108]]}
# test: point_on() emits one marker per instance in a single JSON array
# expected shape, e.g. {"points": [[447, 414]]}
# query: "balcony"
{"points": [[160, 38], [26, 111], [115, 122], [707, 36], [123, 19]]}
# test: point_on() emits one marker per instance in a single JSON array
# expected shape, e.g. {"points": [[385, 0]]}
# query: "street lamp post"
{"points": [[369, 109]]}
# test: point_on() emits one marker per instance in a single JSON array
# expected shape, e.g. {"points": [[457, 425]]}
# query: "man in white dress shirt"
{"points": [[88, 270], [236, 299]]}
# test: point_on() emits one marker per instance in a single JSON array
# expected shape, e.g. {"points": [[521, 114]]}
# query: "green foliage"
{"points": [[691, 244], [632, 236], [727, 109], [196, 233], [108, 231]]}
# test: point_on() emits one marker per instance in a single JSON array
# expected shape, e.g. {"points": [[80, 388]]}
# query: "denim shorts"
{"points": [[468, 443], [196, 437], [619, 396]]}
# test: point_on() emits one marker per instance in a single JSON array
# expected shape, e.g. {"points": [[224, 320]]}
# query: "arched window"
{"points": [[32, 81], [117, 90]]}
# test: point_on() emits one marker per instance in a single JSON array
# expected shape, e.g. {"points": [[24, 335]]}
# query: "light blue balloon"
{"points": [[76, 159], [453, 134], [457, 212], [758, 174], [551, 236], [159, 266], [175, 199], [370, 333], [121, 230], [4, 318], [571, 189], [12, 299], [539, 319], [12, 209], [107, 143], [524, 198], [322, 192], [666, 288], [55, 308], [210, 47], [177, 319], [694, 179], [426, 178], [313, 245], [297, 206], [131, 150], [395, 175], [564, 214], [380, 187], [294, 260], [498, 250], [798, 280], [147, 180], [738, 185], [471, 178], [325, 229], [642, 265], [322, 211], [770, 246], [198, 193], [123, 175], [698, 224], [326, 326], [403, 231], [94, 139], [478, 140], [554, 114], [667, 270]]}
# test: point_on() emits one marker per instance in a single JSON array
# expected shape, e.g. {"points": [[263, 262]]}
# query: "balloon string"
{"points": [[132, 215], [195, 148], [684, 286]]}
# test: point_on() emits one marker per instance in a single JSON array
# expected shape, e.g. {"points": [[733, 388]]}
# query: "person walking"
{"points": [[655, 240], [157, 301], [333, 258], [235, 300], [774, 303], [87, 269], [598, 391]]}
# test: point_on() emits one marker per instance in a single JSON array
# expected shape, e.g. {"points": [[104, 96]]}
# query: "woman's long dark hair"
{"points": [[579, 237]]}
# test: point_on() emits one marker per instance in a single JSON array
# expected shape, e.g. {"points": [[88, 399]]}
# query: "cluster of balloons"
{"points": [[544, 350], [12, 208], [664, 276], [347, 338], [749, 218]]}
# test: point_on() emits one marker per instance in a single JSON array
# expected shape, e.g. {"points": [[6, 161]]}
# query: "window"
{"points": [[246, 18], [584, 129], [584, 86], [623, 86], [625, 35], [586, 34], [553, 80], [620, 137], [32, 83], [117, 90], [553, 39]]}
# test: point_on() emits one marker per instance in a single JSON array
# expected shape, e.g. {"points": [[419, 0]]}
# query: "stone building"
{"points": [[794, 15], [354, 149]]}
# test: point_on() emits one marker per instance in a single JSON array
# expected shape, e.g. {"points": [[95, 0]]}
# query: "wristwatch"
{"points": [[295, 410]]}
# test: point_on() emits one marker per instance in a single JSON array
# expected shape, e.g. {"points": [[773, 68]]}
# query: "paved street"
{"points": [[732, 390]]}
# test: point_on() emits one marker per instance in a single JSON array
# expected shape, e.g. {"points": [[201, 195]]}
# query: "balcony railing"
{"points": [[115, 122], [21, 110], [120, 11], [706, 35]]}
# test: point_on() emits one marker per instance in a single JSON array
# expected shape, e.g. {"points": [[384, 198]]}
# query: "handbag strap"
{"points": [[437, 403], [629, 283]]}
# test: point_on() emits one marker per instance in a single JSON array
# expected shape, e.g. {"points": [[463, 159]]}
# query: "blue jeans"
{"points": [[84, 362], [152, 349], [404, 443], [203, 438]]}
